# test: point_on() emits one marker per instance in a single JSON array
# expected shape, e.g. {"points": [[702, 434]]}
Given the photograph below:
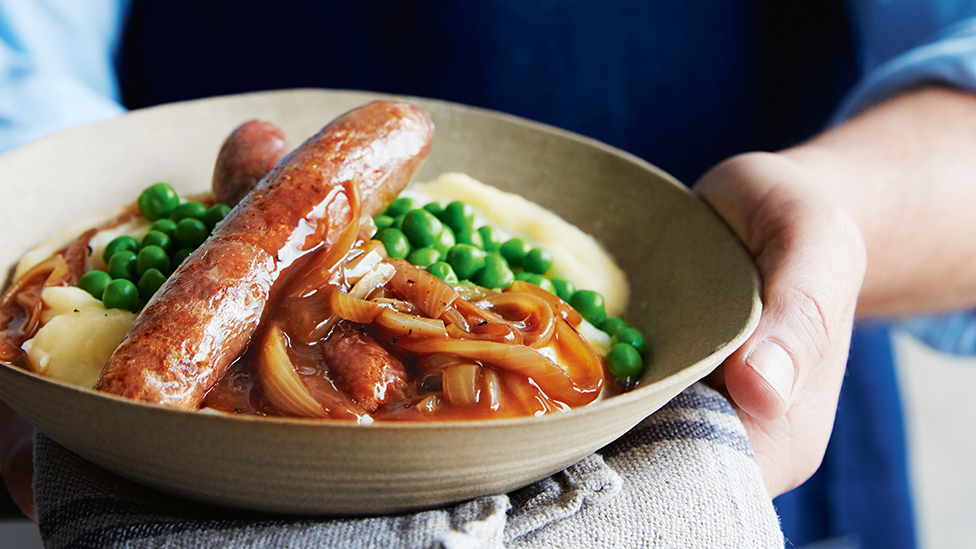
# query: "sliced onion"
{"points": [[493, 388], [430, 403], [350, 308], [401, 325], [560, 307], [282, 384], [25, 294], [537, 323], [499, 333], [583, 365], [461, 383], [432, 295], [452, 317], [378, 276], [320, 270], [362, 264], [398, 305], [526, 361]]}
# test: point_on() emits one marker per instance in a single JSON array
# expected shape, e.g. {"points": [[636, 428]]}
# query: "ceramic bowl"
{"points": [[694, 296]]}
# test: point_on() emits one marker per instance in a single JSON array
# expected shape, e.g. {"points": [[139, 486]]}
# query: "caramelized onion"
{"points": [[353, 306], [402, 325], [582, 362], [282, 385], [452, 318], [356, 310], [561, 308], [430, 294], [537, 322], [493, 388], [317, 273], [23, 301], [461, 383], [552, 379]]}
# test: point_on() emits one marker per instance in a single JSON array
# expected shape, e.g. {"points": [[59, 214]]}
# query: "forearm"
{"points": [[906, 173]]}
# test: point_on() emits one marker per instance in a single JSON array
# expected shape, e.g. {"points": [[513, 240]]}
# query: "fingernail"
{"points": [[775, 366]]}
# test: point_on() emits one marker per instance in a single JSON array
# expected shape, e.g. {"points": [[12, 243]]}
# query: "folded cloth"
{"points": [[685, 477]]}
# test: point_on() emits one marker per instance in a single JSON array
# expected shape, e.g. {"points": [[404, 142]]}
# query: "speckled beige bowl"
{"points": [[695, 296]]}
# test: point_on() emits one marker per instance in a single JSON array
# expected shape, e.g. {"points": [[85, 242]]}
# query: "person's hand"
{"points": [[16, 458], [785, 380]]}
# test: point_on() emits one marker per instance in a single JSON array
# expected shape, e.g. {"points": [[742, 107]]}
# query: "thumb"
{"points": [[812, 261]]}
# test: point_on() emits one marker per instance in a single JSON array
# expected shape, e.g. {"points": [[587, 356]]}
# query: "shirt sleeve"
{"points": [[56, 66], [905, 44]]}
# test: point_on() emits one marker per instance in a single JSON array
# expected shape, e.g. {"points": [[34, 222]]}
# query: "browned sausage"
{"points": [[362, 368], [251, 151], [204, 315]]}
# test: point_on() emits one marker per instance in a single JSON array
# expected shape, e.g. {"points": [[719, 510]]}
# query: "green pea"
{"points": [[215, 214], [157, 201], [122, 265], [466, 260], [149, 283], [190, 233], [445, 240], [564, 288], [394, 241], [156, 238], [424, 257], [121, 294], [491, 238], [94, 282], [400, 206], [469, 236], [444, 272], [524, 276], [398, 222], [435, 208], [624, 361], [496, 273], [152, 257], [541, 282], [179, 256], [591, 305], [382, 222], [118, 244], [613, 325], [633, 338], [188, 210], [165, 226], [421, 228], [515, 250], [458, 216], [537, 260]]}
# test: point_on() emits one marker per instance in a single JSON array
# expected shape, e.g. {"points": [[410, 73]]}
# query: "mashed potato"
{"points": [[77, 337]]}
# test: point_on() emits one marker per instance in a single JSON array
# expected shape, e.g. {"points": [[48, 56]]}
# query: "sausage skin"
{"points": [[204, 315], [362, 368], [251, 151]]}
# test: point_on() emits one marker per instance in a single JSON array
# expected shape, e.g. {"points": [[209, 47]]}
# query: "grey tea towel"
{"points": [[683, 478]]}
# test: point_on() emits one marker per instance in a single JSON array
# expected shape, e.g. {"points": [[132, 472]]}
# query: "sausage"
{"points": [[205, 314], [362, 368], [251, 151]]}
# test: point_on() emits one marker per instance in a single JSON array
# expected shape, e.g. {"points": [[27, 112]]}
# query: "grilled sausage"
{"points": [[251, 151], [204, 315]]}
